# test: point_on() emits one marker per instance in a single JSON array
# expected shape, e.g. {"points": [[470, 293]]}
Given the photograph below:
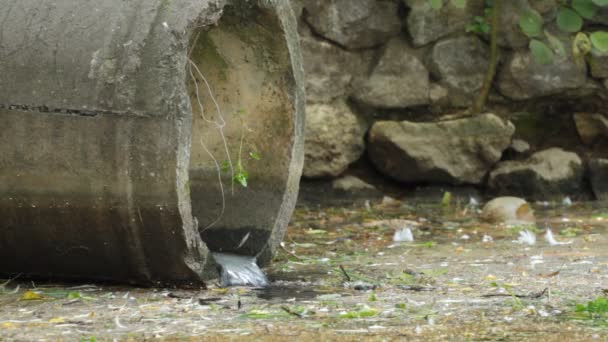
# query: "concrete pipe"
{"points": [[118, 119]]}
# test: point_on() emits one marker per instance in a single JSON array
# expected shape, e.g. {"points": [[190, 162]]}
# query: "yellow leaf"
{"points": [[490, 277], [31, 295], [8, 325], [57, 320]]}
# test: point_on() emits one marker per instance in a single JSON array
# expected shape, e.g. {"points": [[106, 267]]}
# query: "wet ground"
{"points": [[341, 276]]}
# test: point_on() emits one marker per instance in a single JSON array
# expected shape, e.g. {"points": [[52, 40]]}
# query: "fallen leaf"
{"points": [[549, 275], [31, 295]]}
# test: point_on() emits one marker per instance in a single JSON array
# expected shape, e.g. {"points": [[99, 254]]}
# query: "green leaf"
{"points": [[541, 53], [74, 295], [599, 40], [255, 155], [531, 23], [459, 3], [31, 295], [446, 199], [585, 8], [363, 313], [601, 3], [478, 26], [241, 178], [556, 45], [436, 4], [225, 166], [569, 21]]}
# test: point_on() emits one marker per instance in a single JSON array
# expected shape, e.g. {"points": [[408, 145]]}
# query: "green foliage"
{"points": [[544, 47], [74, 295], [225, 166], [570, 232], [601, 3], [584, 8], [241, 175], [531, 23], [570, 18], [556, 45], [569, 21], [596, 306], [255, 155], [361, 313], [446, 200], [480, 25], [599, 41], [541, 53], [595, 311]]}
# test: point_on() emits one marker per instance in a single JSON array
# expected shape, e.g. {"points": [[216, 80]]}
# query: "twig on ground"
{"points": [[529, 296], [291, 312], [345, 274]]}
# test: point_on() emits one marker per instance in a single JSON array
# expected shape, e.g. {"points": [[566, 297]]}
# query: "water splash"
{"points": [[240, 270], [403, 235]]}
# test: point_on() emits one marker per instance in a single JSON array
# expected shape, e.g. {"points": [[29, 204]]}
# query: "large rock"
{"points": [[354, 24], [591, 127], [427, 25], [398, 80], [333, 139], [598, 173], [454, 152], [522, 78], [460, 64], [547, 173], [328, 69]]}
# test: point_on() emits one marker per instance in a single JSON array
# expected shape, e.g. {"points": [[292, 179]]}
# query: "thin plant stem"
{"points": [[480, 102], [220, 124]]}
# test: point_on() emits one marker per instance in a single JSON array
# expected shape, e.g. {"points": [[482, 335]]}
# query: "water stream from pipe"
{"points": [[240, 270]]}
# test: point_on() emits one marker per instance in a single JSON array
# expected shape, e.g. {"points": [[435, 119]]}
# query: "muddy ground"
{"points": [[341, 276]]}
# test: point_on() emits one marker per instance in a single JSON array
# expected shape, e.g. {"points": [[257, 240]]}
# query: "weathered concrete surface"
{"points": [[100, 172]]}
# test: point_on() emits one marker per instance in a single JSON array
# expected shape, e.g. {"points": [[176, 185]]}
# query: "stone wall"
{"points": [[381, 74]]}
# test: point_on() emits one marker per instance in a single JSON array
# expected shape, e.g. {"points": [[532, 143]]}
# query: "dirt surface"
{"points": [[341, 276]]}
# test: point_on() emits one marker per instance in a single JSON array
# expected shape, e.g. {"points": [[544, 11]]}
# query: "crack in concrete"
{"points": [[80, 112]]}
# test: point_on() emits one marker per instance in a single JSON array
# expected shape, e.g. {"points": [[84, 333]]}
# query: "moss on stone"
{"points": [[206, 52]]}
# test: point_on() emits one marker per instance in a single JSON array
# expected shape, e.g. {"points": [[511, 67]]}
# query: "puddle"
{"points": [[240, 270]]}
